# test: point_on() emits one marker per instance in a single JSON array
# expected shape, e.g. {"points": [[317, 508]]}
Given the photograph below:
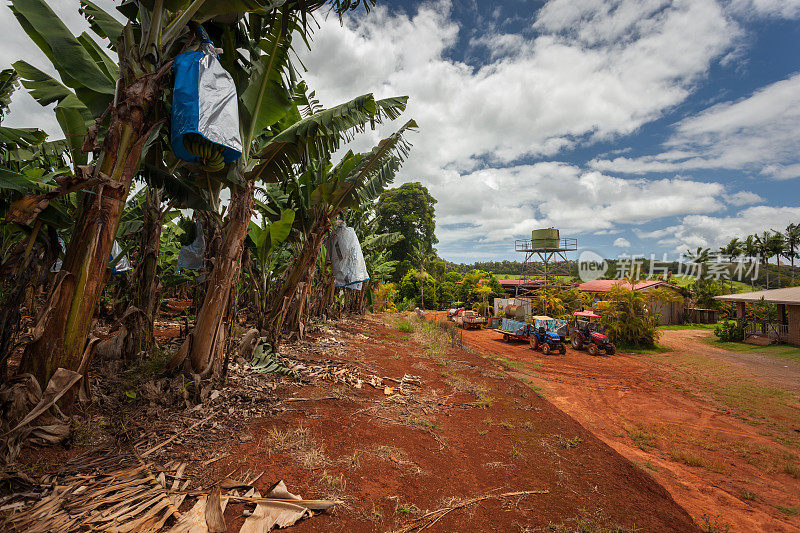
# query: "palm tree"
{"points": [[777, 248], [700, 257], [792, 242], [769, 244], [750, 249], [731, 250]]}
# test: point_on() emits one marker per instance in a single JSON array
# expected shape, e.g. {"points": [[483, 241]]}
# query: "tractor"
{"points": [[549, 341], [585, 331]]}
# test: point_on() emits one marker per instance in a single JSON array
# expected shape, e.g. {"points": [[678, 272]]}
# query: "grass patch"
{"points": [[690, 459], [643, 438], [484, 401], [748, 495], [568, 443], [673, 327], [335, 486], [788, 510], [650, 466], [508, 364], [405, 326], [792, 470], [422, 422], [406, 509], [714, 524], [776, 350], [298, 442]]}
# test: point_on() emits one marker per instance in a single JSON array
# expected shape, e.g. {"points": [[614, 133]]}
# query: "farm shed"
{"points": [[512, 286], [671, 312], [787, 300]]}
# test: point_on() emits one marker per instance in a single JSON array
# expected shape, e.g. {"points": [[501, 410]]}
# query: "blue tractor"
{"points": [[548, 341]]}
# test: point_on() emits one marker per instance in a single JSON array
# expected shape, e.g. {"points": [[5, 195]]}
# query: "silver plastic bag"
{"points": [[347, 259]]}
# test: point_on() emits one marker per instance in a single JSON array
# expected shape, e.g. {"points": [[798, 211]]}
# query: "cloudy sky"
{"points": [[637, 126]]}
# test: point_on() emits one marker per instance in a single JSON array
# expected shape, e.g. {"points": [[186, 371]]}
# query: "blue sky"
{"points": [[636, 126]]}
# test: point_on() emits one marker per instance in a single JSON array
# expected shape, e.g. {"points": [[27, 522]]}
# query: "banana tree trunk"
{"points": [[204, 345], [302, 270], [63, 326], [140, 336]]}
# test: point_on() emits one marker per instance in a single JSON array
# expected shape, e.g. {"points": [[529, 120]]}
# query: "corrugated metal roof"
{"points": [[605, 285], [787, 295], [515, 282]]}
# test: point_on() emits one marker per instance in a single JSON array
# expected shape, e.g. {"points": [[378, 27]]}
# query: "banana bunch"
{"points": [[210, 155]]}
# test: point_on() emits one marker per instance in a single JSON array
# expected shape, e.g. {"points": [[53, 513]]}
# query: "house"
{"points": [[787, 301], [670, 312]]}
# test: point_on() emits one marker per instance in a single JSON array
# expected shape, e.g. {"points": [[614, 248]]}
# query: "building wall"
{"points": [[794, 324]]}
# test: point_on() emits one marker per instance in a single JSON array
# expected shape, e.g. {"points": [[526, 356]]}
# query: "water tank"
{"points": [[545, 238]]}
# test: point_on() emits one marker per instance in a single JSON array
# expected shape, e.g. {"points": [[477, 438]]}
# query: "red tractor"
{"points": [[585, 331]]}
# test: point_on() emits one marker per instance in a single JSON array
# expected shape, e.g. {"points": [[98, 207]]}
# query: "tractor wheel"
{"points": [[562, 350], [505, 337], [611, 351], [576, 343], [545, 348], [534, 343], [592, 349]]}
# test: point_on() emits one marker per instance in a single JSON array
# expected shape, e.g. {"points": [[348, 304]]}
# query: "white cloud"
{"points": [[491, 207], [743, 198], [788, 9], [622, 242], [760, 133], [713, 232], [537, 97]]}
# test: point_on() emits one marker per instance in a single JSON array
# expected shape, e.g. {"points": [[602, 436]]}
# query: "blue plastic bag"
{"points": [[204, 102]]}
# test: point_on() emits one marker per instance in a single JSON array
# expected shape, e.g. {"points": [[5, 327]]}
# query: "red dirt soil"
{"points": [[611, 395], [418, 452]]}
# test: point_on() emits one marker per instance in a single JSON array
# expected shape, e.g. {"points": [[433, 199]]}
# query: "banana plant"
{"points": [[113, 113], [268, 255], [323, 192]]}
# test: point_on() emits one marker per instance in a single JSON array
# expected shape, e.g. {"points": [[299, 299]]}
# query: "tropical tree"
{"points": [[628, 319], [420, 255], [791, 244], [769, 244], [750, 250], [410, 211]]}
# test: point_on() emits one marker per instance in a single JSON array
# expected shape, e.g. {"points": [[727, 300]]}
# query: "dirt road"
{"points": [[718, 429]]}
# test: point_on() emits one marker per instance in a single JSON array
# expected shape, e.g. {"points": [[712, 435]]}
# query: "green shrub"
{"points": [[730, 331]]}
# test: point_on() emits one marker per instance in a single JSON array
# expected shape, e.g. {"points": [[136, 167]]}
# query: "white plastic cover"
{"points": [[347, 260], [191, 257], [122, 265]]}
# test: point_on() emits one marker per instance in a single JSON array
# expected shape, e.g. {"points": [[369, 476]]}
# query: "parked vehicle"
{"points": [[548, 341], [514, 329], [585, 331], [468, 319]]}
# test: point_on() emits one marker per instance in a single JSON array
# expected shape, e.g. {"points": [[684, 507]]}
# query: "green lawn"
{"points": [[685, 281], [777, 350], [688, 326]]}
